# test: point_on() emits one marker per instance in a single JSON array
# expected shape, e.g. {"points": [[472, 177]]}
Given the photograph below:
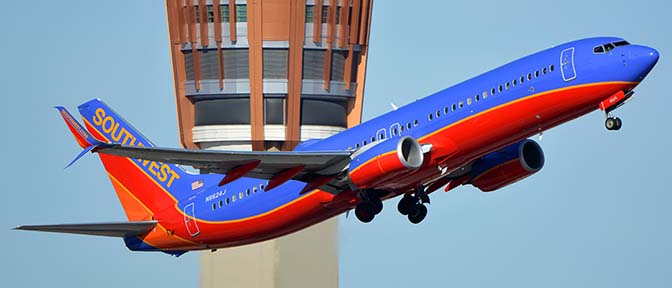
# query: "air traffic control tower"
{"points": [[265, 75]]}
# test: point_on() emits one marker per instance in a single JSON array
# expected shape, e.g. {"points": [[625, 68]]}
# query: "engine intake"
{"points": [[507, 166], [385, 160]]}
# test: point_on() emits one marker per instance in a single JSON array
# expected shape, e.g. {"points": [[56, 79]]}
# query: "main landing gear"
{"points": [[413, 206], [370, 206], [613, 123]]}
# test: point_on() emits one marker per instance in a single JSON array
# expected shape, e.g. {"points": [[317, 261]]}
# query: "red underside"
{"points": [[477, 136]]}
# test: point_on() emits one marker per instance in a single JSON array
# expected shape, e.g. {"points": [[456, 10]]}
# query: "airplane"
{"points": [[474, 133]]}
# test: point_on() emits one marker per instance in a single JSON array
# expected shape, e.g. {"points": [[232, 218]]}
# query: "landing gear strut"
{"points": [[370, 206], [613, 123], [413, 206]]}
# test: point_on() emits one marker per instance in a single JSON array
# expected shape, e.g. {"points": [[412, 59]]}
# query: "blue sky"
{"points": [[596, 215]]}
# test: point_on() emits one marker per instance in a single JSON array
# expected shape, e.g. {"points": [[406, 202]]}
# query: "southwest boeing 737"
{"points": [[472, 133]]}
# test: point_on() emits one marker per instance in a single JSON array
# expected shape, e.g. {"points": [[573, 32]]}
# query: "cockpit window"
{"points": [[604, 48], [621, 43]]}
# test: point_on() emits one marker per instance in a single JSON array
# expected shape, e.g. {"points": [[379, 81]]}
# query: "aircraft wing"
{"points": [[260, 164], [110, 229]]}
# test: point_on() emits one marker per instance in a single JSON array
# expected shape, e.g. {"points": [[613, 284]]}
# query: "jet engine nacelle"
{"points": [[385, 160], [507, 166]]}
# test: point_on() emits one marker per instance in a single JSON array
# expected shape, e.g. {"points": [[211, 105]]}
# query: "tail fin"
{"points": [[144, 187]]}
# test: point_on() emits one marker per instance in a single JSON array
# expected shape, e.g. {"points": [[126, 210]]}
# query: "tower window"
{"points": [[241, 13]]}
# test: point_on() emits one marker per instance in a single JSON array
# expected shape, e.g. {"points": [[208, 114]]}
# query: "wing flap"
{"points": [[109, 229]]}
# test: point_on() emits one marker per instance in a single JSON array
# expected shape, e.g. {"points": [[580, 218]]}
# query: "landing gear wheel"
{"points": [[418, 214], [405, 205], [365, 211], [618, 123], [610, 123], [377, 205]]}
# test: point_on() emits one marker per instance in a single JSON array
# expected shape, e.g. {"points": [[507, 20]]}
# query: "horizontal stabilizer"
{"points": [[110, 229]]}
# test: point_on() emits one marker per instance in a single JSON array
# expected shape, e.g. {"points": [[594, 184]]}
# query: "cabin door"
{"points": [[567, 64], [190, 220]]}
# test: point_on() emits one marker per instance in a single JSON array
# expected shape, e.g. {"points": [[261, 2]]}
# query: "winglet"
{"points": [[83, 138]]}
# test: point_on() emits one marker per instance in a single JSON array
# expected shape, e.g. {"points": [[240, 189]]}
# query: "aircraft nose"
{"points": [[644, 59]]}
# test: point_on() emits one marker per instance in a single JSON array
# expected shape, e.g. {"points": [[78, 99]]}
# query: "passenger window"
{"points": [[499, 88], [461, 104], [551, 68], [536, 74], [233, 198], [468, 101], [522, 79], [453, 107], [261, 187], [485, 94], [492, 91], [529, 76], [514, 82], [254, 189], [506, 85], [247, 191], [356, 145], [373, 139], [445, 110], [438, 113], [429, 116], [415, 123], [364, 143], [476, 97], [240, 195], [220, 203], [227, 201], [394, 131], [214, 206], [408, 125], [543, 71]]}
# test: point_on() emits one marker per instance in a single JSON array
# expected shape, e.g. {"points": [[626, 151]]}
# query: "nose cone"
{"points": [[643, 59], [650, 56]]}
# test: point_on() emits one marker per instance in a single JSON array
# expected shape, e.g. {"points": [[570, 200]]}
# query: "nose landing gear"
{"points": [[613, 123], [610, 104]]}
